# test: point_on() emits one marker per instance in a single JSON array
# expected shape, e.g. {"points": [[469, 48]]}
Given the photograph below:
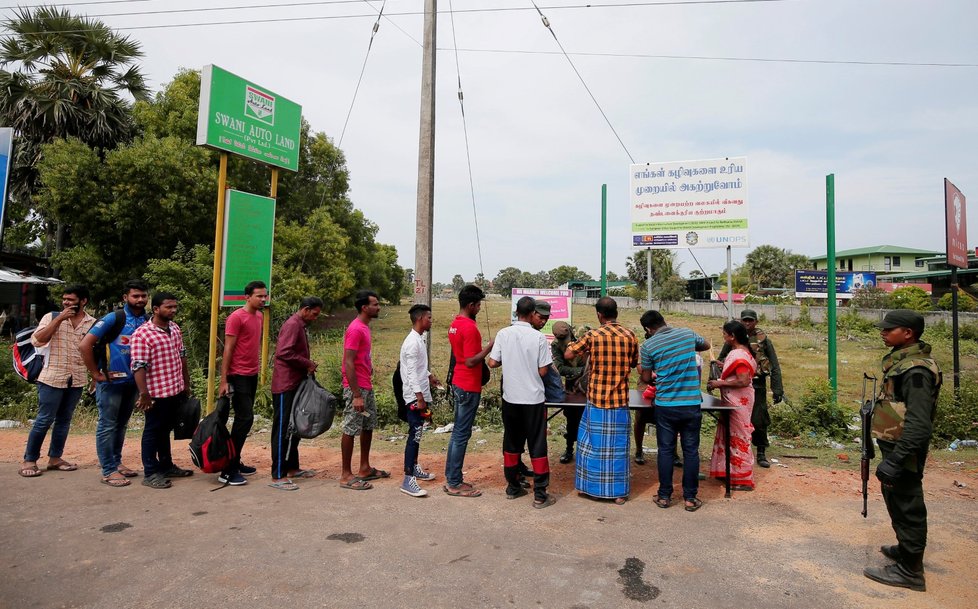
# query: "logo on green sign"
{"points": [[260, 105]]}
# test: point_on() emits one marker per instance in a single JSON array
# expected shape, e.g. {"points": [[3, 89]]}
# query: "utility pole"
{"points": [[426, 163]]}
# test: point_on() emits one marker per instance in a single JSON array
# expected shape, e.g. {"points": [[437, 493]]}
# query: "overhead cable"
{"points": [[373, 33]]}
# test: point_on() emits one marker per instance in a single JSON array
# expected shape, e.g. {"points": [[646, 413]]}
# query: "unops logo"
{"points": [[259, 105], [692, 238]]}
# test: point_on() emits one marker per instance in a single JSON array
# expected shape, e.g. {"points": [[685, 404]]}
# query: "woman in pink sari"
{"points": [[736, 390]]}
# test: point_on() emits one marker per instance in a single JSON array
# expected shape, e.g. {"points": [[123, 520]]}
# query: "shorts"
{"points": [[354, 422]]}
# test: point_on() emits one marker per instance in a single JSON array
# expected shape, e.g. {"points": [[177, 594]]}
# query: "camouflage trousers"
{"points": [[908, 514]]}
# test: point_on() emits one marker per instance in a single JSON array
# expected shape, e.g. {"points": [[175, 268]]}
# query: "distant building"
{"points": [[881, 259], [592, 289], [937, 273]]}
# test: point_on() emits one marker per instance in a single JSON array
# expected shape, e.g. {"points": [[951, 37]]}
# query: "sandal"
{"points": [[550, 500], [357, 484], [375, 474], [62, 466], [305, 473], [620, 500], [462, 490], [156, 481], [111, 480], [520, 492], [640, 459], [662, 502], [127, 472], [691, 505], [284, 485], [30, 472]]}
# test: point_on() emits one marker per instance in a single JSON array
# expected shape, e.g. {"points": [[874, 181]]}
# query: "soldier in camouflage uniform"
{"points": [[570, 371], [903, 422], [767, 365]]}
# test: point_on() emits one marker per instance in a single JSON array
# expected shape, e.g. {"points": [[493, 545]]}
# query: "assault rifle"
{"points": [[868, 452]]}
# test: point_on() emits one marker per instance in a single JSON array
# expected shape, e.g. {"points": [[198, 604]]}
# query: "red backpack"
{"points": [[211, 448]]}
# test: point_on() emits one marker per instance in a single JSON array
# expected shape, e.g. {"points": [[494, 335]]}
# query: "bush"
{"points": [[851, 323], [956, 421], [966, 302], [816, 411], [910, 297]]}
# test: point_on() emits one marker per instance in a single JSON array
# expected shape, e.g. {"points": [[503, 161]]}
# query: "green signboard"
{"points": [[243, 118], [249, 229]]}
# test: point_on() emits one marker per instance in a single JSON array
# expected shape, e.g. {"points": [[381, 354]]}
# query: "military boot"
{"points": [[762, 458], [568, 455], [908, 572], [891, 552]]}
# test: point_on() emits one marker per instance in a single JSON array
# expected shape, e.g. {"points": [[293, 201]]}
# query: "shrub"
{"points": [[816, 411], [910, 297], [956, 421], [966, 302], [851, 323]]}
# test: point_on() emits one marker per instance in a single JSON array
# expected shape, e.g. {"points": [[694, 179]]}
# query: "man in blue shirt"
{"points": [[671, 354], [115, 389]]}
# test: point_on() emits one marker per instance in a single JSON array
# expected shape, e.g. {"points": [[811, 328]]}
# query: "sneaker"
{"points": [[234, 479], [178, 472], [422, 475], [410, 487], [246, 470]]}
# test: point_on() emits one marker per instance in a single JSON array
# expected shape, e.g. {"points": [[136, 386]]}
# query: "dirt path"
{"points": [[797, 541]]}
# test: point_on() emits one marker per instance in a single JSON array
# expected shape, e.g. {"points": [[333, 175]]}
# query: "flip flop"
{"points": [[550, 500], [305, 473], [462, 490], [375, 474], [284, 485], [697, 504], [357, 484], [115, 482], [64, 466], [128, 473], [30, 472], [662, 502]]}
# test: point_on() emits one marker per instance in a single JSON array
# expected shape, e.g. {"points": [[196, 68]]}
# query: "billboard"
{"points": [[689, 204], [560, 306], [249, 230], [815, 284], [246, 119], [956, 222]]}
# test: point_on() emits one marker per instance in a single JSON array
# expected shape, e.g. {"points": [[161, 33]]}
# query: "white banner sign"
{"points": [[689, 204]]}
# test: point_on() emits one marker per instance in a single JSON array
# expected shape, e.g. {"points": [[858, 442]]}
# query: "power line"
{"points": [[546, 24], [73, 4], [373, 33]]}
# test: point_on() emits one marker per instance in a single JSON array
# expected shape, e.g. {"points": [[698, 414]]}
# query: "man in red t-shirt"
{"points": [[239, 374], [360, 412], [470, 356]]}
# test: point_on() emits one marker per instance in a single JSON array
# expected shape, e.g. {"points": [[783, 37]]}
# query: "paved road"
{"points": [[68, 541]]}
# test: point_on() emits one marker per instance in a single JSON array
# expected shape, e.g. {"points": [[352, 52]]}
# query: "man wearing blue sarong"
{"points": [[604, 438]]}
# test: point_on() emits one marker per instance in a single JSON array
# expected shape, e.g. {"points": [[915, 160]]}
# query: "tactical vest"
{"points": [[758, 346], [889, 414]]}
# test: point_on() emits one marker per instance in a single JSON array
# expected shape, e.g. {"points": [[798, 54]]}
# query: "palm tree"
{"points": [[73, 77]]}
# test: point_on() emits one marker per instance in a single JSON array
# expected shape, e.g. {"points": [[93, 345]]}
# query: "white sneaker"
{"points": [[410, 487], [422, 475]]}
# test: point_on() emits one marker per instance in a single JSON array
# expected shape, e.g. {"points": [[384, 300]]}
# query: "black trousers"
{"points": [[243, 389], [573, 416], [908, 514], [284, 456], [760, 418], [525, 425]]}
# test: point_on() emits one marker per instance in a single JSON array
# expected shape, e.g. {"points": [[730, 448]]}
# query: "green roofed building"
{"points": [[592, 289], [881, 259]]}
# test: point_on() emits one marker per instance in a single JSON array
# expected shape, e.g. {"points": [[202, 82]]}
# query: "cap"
{"points": [[542, 307], [903, 318], [748, 314], [561, 329]]}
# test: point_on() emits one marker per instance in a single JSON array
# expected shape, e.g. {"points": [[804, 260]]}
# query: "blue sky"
{"points": [[541, 150]]}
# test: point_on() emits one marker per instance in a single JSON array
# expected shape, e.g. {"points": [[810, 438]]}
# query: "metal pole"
{"points": [[830, 247], [222, 178], [730, 309], [426, 163], [266, 322], [604, 240], [648, 274]]}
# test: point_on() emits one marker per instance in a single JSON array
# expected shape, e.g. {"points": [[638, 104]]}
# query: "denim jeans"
{"points": [[115, 404], [413, 445], [157, 458], [54, 406], [466, 405], [684, 421]]}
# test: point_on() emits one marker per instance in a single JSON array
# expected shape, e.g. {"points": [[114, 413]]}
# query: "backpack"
{"points": [[398, 384], [313, 409], [187, 418], [28, 360], [211, 448], [486, 374]]}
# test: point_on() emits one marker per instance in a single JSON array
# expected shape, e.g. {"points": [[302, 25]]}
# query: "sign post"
{"points": [[956, 224], [241, 117]]}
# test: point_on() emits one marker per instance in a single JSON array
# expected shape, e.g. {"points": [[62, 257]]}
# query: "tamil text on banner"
{"points": [[560, 305], [249, 229], [243, 118], [815, 284], [689, 204], [956, 219]]}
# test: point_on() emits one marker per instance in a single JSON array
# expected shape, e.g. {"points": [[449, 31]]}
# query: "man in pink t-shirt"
{"points": [[239, 374], [360, 414]]}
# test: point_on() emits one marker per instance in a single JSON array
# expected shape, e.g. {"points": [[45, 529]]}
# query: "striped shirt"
{"points": [[614, 352], [63, 361], [671, 354], [161, 353]]}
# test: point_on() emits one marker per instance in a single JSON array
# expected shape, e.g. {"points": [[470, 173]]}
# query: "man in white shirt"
{"points": [[527, 358], [417, 381]]}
